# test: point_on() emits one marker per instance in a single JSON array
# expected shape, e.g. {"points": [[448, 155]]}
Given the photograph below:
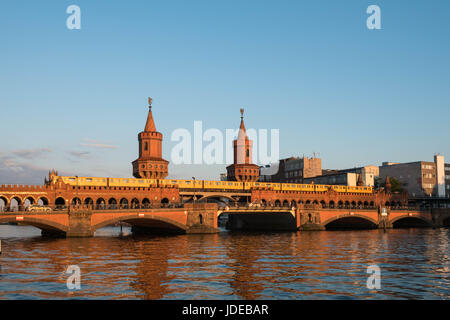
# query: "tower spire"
{"points": [[150, 124], [242, 127]]}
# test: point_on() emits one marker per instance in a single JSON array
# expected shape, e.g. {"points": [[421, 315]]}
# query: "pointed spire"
{"points": [[387, 184], [150, 125], [242, 135], [242, 127]]}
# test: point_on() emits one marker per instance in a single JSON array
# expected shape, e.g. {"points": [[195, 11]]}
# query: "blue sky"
{"points": [[75, 100]]}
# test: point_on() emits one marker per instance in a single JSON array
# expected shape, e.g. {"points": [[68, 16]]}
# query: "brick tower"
{"points": [[243, 169], [150, 164]]}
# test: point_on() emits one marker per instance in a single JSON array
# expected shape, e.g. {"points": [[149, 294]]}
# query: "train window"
{"points": [[88, 180], [125, 180], [71, 179], [188, 182]]}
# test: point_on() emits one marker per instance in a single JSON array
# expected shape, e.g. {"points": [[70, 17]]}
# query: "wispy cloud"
{"points": [[97, 144], [80, 154], [32, 153]]}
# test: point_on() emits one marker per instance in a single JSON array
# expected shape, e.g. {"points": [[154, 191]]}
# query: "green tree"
{"points": [[396, 185]]}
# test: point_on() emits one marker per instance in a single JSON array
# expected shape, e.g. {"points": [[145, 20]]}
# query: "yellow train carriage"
{"points": [[84, 181], [320, 187], [182, 184], [223, 185], [131, 182], [251, 185]]}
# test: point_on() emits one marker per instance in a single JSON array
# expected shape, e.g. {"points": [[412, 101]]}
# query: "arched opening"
{"points": [[264, 202], [366, 204], [60, 202], [308, 202], [359, 205], [89, 202], [340, 204], [285, 203], [76, 201], [353, 205], [293, 204], [123, 203], [112, 203], [135, 203], [323, 204], [165, 201], [315, 202], [410, 222], [43, 201], [310, 219], [3, 203], [146, 203], [347, 204], [372, 204], [387, 204], [350, 223], [15, 204], [100, 204], [331, 204], [28, 202], [200, 218], [277, 203]]}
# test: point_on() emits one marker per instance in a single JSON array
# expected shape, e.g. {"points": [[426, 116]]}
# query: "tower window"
{"points": [[248, 152], [146, 146]]}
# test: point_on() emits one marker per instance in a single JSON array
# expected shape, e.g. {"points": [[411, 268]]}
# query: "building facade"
{"points": [[292, 170], [420, 178]]}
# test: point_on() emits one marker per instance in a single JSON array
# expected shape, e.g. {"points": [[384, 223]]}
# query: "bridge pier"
{"points": [[80, 224], [202, 218]]}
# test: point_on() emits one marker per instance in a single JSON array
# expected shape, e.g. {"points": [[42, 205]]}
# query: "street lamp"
{"points": [[194, 190], [76, 193]]}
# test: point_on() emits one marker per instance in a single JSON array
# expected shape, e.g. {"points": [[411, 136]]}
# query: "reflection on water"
{"points": [[414, 264]]}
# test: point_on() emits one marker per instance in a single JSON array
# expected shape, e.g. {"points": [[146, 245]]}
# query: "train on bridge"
{"points": [[205, 185]]}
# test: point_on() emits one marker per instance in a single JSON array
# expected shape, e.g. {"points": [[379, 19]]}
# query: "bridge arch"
{"points": [[407, 221], [146, 202], [100, 203], [43, 201], [112, 203], [15, 202], [218, 197], [124, 203], [47, 226], [354, 221], [76, 201], [3, 203], [60, 201], [135, 203], [150, 222]]}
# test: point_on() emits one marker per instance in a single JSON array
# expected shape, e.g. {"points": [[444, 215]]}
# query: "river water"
{"points": [[414, 264]]}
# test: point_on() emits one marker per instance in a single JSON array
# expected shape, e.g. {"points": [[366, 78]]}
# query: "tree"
{"points": [[396, 185]]}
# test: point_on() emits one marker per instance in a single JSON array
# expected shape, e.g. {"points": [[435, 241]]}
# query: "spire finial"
{"points": [[150, 102], [242, 113]]}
